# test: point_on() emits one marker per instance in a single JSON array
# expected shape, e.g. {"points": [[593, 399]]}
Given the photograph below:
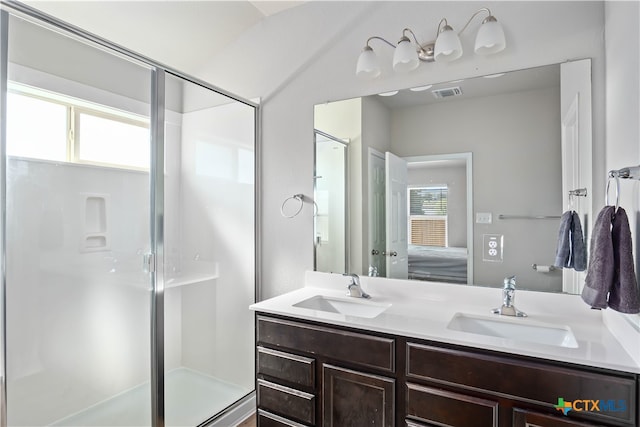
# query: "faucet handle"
{"points": [[355, 279], [510, 282]]}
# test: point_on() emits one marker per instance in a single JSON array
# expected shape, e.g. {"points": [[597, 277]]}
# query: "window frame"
{"points": [[75, 107], [411, 217]]}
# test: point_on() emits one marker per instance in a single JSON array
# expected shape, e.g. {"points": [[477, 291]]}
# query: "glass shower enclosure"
{"points": [[127, 235]]}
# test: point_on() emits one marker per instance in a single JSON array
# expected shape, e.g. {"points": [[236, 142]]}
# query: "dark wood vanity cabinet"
{"points": [[311, 374], [314, 375]]}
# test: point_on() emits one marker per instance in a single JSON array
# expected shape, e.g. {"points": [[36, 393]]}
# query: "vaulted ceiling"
{"points": [[183, 34]]}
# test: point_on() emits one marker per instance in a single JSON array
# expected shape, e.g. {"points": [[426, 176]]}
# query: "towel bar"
{"points": [[501, 216]]}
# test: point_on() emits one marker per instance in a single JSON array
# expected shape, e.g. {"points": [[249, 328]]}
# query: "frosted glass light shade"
{"points": [[448, 47], [368, 65], [405, 57], [490, 38]]}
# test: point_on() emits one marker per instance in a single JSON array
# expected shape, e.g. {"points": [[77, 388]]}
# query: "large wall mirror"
{"points": [[461, 182]]}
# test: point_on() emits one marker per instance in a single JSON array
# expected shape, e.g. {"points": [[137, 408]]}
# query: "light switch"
{"points": [[483, 218]]}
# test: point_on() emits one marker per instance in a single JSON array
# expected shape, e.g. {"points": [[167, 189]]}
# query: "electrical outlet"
{"points": [[492, 246], [483, 218]]}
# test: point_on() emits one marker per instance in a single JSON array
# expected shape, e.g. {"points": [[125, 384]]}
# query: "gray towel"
{"points": [[571, 251], [623, 296], [611, 278], [601, 272]]}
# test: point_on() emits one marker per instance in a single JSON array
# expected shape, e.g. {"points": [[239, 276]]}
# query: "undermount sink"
{"points": [[514, 329], [358, 307]]}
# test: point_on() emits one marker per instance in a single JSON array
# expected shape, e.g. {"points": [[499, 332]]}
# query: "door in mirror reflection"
{"points": [[396, 181]]}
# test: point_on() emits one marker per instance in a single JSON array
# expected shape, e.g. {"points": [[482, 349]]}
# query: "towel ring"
{"points": [[606, 200], [300, 198]]}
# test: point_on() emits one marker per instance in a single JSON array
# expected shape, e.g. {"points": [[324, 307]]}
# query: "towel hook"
{"points": [[606, 200], [578, 192]]}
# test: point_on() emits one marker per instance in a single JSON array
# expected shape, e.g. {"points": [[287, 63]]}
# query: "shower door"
{"points": [[77, 226]]}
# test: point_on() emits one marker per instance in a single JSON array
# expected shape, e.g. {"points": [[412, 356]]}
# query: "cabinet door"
{"points": [[355, 399], [522, 418]]}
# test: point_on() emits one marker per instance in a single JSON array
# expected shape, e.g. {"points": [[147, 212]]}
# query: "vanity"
{"points": [[429, 354]]}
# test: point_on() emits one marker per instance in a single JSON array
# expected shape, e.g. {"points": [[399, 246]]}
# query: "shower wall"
{"points": [[75, 317]]}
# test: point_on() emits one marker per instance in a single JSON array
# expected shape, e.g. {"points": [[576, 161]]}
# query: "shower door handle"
{"points": [[149, 263]]}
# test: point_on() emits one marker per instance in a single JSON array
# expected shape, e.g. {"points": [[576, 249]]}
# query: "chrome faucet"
{"points": [[354, 289], [508, 297]]}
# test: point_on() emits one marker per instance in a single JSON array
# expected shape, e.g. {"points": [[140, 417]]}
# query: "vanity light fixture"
{"points": [[446, 48], [420, 88]]}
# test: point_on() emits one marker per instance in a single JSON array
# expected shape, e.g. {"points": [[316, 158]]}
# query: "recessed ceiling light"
{"points": [[420, 88], [393, 92], [493, 76]]}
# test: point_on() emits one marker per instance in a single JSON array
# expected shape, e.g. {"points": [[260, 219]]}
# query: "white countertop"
{"points": [[424, 309]]}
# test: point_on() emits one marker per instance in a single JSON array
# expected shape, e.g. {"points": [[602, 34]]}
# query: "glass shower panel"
{"points": [[209, 252], [330, 196], [77, 298]]}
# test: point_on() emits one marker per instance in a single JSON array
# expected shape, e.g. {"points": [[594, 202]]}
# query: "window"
{"points": [[36, 128], [428, 216], [42, 125]]}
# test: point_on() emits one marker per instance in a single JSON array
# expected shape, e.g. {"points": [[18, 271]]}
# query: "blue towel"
{"points": [[578, 248], [571, 251], [563, 251]]}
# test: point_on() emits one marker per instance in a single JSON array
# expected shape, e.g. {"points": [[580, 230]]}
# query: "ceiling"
{"points": [[515, 81], [183, 34]]}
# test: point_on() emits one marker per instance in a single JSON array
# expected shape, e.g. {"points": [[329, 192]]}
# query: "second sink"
{"points": [[514, 329], [349, 307]]}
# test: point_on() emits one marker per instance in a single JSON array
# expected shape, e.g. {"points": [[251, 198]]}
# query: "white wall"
{"points": [[623, 107], [572, 30]]}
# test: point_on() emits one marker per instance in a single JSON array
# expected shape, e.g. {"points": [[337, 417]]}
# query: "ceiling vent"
{"points": [[447, 92]]}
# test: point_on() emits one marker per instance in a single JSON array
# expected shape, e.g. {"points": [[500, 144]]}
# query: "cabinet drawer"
{"points": [[538, 383], [350, 347], [287, 401], [266, 419], [431, 405], [522, 418], [288, 367]]}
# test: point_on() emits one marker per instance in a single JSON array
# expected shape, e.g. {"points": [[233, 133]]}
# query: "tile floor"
{"points": [[249, 422]]}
